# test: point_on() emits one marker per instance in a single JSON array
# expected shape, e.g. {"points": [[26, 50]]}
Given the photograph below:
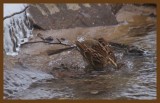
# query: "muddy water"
{"points": [[135, 80]]}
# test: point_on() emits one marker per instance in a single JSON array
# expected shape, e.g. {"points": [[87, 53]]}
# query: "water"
{"points": [[143, 84], [17, 28], [135, 80]]}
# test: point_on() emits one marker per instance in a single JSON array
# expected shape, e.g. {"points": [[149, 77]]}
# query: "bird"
{"points": [[97, 52]]}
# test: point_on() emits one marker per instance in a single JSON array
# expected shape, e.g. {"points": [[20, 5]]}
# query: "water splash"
{"points": [[17, 29]]}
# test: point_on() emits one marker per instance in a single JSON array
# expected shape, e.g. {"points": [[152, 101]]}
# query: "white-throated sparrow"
{"points": [[97, 52]]}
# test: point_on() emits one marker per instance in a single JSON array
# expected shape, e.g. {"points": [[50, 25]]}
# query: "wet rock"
{"points": [[62, 16], [128, 49]]}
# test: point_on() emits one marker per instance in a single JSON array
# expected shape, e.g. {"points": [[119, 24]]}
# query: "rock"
{"points": [[116, 7], [63, 16]]}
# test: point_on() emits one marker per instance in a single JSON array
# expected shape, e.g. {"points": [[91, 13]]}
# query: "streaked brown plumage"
{"points": [[97, 52]]}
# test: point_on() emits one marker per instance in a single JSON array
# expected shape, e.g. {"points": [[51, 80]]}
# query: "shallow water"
{"points": [[135, 80]]}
